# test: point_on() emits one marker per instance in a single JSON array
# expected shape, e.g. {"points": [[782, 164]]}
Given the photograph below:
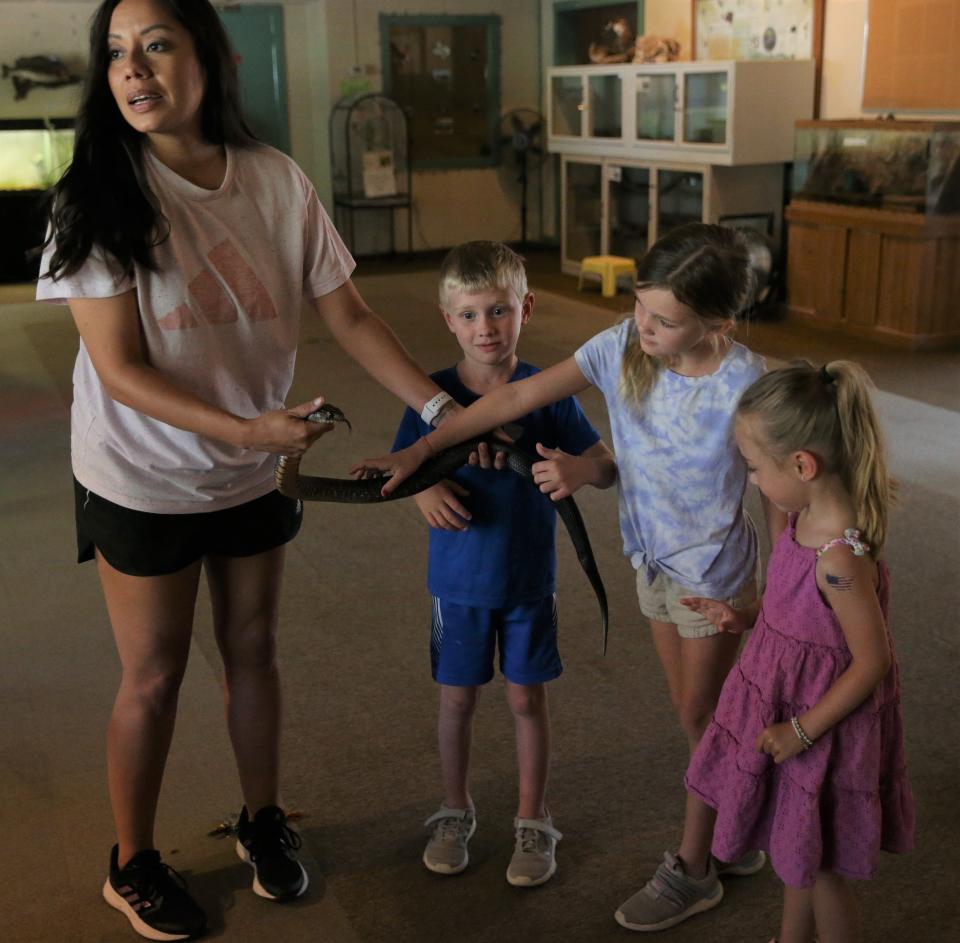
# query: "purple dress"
{"points": [[836, 805]]}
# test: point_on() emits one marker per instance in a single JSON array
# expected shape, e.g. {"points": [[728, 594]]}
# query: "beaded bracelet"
{"points": [[801, 734]]}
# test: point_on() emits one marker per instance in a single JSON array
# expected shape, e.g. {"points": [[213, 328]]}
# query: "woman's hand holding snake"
{"points": [[283, 431]]}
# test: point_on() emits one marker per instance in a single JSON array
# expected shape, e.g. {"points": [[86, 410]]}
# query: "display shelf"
{"points": [[611, 206], [722, 112]]}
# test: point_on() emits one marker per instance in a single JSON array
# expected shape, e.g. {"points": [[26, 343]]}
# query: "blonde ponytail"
{"points": [[829, 411], [864, 463]]}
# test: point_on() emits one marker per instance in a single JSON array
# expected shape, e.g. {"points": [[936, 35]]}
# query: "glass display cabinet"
{"points": [[724, 112], [630, 205], [582, 216], [874, 230], [586, 103], [611, 206]]}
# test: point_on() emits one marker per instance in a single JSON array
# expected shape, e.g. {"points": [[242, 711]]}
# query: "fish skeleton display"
{"points": [[29, 72]]}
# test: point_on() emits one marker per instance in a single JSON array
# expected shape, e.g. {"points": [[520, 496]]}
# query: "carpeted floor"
{"points": [[360, 761]]}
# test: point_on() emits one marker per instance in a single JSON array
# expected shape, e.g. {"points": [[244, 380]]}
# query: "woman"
{"points": [[184, 249]]}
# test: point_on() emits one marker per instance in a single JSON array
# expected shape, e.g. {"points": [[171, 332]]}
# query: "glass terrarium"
{"points": [[33, 158], [908, 166]]}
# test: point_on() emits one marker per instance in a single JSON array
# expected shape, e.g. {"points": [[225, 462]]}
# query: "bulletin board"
{"points": [[761, 29], [756, 29], [913, 47]]}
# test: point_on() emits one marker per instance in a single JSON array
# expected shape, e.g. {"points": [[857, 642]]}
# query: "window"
{"points": [[444, 71]]}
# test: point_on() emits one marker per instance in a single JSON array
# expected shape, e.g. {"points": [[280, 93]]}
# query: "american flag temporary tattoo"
{"points": [[842, 584]]}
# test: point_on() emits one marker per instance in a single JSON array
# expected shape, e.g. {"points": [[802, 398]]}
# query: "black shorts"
{"points": [[140, 543]]}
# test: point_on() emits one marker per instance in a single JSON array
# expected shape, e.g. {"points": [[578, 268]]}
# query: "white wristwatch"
{"points": [[433, 407]]}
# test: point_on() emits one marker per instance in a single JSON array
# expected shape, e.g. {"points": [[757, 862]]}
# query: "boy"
{"points": [[492, 563]]}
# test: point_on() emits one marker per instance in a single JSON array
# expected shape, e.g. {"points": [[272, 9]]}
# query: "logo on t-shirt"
{"points": [[220, 293]]}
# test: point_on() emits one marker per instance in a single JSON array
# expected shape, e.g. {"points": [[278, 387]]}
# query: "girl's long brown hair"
{"points": [[705, 267]]}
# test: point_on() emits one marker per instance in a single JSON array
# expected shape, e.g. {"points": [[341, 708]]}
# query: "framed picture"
{"points": [[759, 29]]}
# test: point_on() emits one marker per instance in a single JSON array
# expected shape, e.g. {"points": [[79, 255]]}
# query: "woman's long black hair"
{"points": [[103, 199]]}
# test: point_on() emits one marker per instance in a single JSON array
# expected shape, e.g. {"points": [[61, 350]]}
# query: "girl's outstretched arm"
{"points": [[848, 584], [504, 404]]}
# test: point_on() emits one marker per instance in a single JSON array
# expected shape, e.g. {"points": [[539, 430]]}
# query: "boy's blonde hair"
{"points": [[829, 412], [479, 266], [705, 267]]}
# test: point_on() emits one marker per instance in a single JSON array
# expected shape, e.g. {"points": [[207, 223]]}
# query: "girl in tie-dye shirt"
{"points": [[671, 377]]}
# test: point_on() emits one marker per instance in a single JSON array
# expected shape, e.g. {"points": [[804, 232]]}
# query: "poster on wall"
{"points": [[755, 29]]}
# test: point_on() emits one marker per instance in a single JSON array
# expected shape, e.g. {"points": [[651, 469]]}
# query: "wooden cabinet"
{"points": [[893, 276]]}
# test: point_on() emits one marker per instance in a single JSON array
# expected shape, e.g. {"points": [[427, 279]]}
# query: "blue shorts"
{"points": [[463, 640]]}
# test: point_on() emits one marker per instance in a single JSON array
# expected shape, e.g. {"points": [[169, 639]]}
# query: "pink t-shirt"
{"points": [[220, 317]]}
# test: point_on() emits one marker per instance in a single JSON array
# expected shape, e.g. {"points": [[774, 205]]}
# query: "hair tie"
{"points": [[826, 376]]}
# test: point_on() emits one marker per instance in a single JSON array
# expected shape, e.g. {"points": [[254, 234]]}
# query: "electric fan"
{"points": [[522, 152]]}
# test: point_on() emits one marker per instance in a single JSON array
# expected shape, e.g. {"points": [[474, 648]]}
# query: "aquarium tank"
{"points": [[33, 158], [906, 166]]}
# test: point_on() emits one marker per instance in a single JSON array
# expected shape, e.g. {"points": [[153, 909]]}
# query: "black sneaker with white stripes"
{"points": [[153, 897], [270, 846]]}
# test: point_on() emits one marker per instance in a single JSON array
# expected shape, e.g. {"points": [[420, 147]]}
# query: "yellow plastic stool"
{"points": [[608, 267]]}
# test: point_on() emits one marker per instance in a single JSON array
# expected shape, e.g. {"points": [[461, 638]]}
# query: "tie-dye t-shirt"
{"points": [[219, 317], [681, 477]]}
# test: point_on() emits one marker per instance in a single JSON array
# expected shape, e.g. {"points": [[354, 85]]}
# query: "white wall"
{"points": [[844, 46], [671, 20]]}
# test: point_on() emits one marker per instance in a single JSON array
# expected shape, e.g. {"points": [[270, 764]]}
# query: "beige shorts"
{"points": [[660, 601]]}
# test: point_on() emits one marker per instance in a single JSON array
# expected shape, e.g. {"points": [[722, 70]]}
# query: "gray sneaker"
{"points": [[446, 852], [534, 854], [669, 897], [748, 864]]}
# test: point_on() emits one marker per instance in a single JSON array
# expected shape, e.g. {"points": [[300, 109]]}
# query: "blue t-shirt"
{"points": [[507, 556], [680, 475]]}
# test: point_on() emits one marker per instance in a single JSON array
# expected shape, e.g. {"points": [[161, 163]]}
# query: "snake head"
{"points": [[329, 413]]}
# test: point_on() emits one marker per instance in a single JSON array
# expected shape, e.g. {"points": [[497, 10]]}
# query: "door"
{"points": [[256, 33]]}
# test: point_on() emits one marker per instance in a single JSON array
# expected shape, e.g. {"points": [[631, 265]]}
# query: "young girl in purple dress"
{"points": [[804, 757]]}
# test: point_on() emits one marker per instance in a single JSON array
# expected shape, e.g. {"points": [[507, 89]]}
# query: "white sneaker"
{"points": [[446, 852], [534, 855]]}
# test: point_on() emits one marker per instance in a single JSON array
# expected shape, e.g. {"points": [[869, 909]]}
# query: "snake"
{"points": [[434, 470]]}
